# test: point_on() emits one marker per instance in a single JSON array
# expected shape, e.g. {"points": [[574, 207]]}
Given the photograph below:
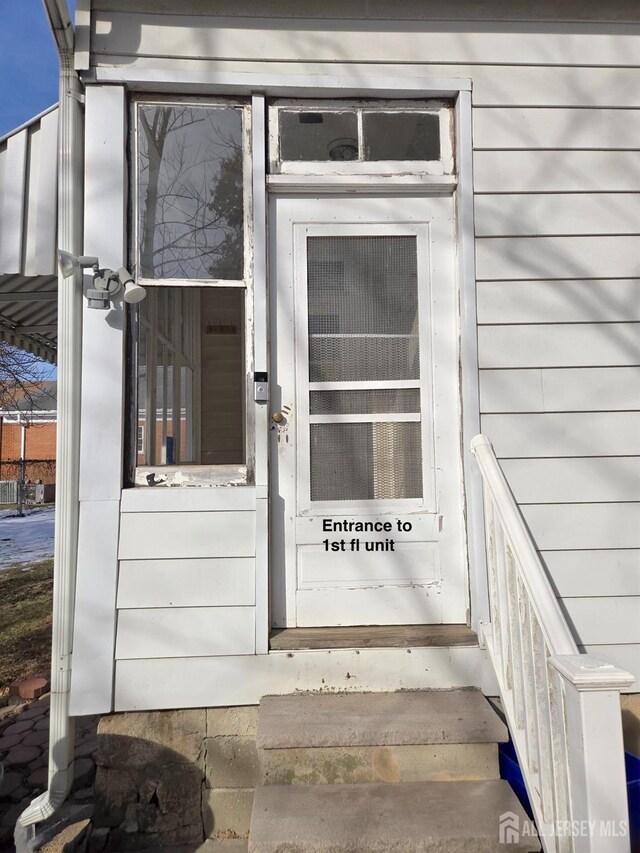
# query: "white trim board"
{"points": [[201, 682]]}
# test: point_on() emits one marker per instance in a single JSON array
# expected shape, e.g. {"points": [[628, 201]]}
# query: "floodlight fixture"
{"points": [[106, 283], [69, 263], [132, 292]]}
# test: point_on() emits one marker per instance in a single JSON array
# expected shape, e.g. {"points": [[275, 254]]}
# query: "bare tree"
{"points": [[190, 192], [21, 377]]}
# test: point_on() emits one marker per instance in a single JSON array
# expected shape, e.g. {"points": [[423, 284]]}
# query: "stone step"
{"points": [[419, 816], [331, 765], [377, 719]]}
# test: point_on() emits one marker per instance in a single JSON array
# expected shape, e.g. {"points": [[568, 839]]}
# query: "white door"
{"points": [[366, 489]]}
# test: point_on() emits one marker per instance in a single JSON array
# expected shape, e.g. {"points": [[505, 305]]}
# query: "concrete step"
{"points": [[377, 719], [421, 816], [331, 765]]}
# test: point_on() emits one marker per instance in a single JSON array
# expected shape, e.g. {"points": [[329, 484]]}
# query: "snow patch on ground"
{"points": [[27, 539]]}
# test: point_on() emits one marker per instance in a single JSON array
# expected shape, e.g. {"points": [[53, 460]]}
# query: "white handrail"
{"points": [[562, 707]]}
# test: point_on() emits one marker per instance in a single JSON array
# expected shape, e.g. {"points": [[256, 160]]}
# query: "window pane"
{"points": [[401, 136], [318, 136], [190, 192], [191, 339], [222, 377]]}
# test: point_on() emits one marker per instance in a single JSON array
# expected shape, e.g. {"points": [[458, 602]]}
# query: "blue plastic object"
{"points": [[510, 771]]}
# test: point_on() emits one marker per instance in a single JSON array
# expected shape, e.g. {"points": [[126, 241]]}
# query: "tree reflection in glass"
{"points": [[190, 192]]}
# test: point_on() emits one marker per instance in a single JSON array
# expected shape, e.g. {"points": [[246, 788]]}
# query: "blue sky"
{"points": [[28, 71], [28, 63]]}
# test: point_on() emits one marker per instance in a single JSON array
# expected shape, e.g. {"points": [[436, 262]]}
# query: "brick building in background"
{"points": [[35, 414]]}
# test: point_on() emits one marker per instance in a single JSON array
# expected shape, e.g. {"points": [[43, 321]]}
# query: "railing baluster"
{"points": [[496, 617], [543, 718], [514, 636], [559, 752], [529, 701], [503, 602]]}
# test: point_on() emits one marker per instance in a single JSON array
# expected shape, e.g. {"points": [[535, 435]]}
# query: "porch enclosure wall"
{"points": [[557, 214]]}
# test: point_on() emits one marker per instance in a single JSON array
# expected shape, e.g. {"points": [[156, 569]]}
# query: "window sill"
{"points": [[203, 476], [381, 184]]}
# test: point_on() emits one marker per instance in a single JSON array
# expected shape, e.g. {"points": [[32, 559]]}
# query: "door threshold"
{"points": [[371, 636]]}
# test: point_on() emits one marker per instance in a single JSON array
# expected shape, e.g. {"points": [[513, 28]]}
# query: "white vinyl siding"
{"points": [[186, 581], [557, 182]]}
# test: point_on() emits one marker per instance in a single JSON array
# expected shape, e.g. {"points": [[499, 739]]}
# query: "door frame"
{"points": [[345, 85]]}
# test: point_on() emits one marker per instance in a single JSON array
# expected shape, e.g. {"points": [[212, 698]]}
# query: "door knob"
{"points": [[277, 417]]}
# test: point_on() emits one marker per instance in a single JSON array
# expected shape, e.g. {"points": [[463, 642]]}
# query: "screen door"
{"points": [[366, 477]]}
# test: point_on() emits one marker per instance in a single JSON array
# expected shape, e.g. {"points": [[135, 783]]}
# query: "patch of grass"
{"points": [[26, 595]]}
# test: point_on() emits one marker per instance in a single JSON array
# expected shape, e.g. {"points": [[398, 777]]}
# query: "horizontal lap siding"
{"points": [[186, 585], [557, 181]]}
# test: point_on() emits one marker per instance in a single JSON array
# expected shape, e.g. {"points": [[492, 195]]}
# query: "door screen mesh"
{"points": [[363, 308], [365, 461], [363, 326]]}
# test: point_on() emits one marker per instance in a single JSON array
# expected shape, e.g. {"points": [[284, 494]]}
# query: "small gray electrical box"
{"points": [[261, 387]]}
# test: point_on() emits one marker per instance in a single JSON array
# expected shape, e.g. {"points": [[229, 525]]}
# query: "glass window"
{"points": [[319, 136], [190, 192], [366, 137], [401, 136], [191, 341]]}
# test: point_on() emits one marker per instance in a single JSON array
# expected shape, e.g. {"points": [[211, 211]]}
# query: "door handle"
{"points": [[277, 417]]}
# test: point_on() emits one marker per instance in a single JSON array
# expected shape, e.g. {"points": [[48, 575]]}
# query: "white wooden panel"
{"points": [[581, 389], [216, 681], [604, 620], [590, 11], [470, 390], [184, 499], [560, 345], [553, 214], [166, 535], [40, 242], [568, 434], [586, 301], [493, 85], [410, 563], [625, 656], [386, 605], [499, 258], [185, 632], [611, 478], [556, 171], [94, 629], [367, 40], [578, 574], [543, 128], [105, 228], [14, 165], [186, 583], [571, 526]]}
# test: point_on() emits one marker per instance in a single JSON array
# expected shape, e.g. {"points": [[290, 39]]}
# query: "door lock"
{"points": [[277, 417]]}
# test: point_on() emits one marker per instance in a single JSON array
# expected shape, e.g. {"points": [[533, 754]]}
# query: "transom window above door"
{"points": [[366, 137]]}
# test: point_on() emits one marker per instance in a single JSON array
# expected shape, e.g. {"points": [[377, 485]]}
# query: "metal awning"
{"points": [[28, 279], [29, 313]]}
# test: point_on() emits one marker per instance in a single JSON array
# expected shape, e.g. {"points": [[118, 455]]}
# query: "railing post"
{"points": [[595, 754]]}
